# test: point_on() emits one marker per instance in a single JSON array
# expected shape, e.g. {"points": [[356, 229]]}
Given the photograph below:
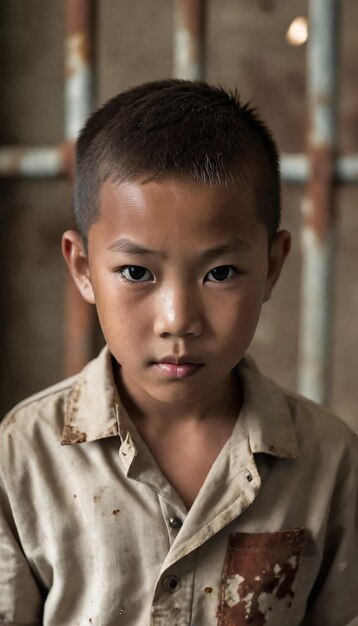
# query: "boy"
{"points": [[170, 483]]}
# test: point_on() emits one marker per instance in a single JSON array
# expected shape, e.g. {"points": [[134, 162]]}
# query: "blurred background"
{"points": [[258, 46]]}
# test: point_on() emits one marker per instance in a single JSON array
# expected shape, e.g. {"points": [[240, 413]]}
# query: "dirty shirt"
{"points": [[91, 532]]}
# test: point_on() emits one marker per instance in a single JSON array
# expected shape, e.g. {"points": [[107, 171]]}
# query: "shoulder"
{"points": [[318, 421], [320, 435], [43, 409], [37, 425]]}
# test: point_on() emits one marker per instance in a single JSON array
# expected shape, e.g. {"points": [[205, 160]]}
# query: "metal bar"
{"points": [[189, 39], [319, 229], [79, 20], [347, 169], [78, 65], [40, 162], [33, 162], [295, 168]]}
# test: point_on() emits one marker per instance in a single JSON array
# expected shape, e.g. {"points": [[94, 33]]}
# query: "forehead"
{"points": [[168, 213]]}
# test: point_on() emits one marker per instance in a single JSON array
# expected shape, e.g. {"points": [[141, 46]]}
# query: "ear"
{"points": [[279, 250], [75, 256]]}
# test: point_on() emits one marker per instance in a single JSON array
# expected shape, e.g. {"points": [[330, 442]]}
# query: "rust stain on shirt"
{"points": [[116, 511], [258, 579], [208, 589], [72, 435], [8, 421], [96, 499]]}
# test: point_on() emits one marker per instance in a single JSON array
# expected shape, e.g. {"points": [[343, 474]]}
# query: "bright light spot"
{"points": [[297, 32]]}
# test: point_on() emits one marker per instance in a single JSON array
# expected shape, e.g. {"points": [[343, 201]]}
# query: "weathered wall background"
{"points": [[247, 49]]}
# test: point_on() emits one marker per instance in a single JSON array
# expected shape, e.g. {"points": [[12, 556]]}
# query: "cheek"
{"points": [[124, 319], [236, 318], [238, 308]]}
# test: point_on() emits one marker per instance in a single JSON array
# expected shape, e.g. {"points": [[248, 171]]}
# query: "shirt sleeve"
{"points": [[21, 603], [334, 598]]}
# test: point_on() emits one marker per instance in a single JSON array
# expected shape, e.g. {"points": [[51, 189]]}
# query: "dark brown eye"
{"points": [[221, 273], [136, 273]]}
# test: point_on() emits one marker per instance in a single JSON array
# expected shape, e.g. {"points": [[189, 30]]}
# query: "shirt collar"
{"points": [[91, 403], [94, 410], [269, 419]]}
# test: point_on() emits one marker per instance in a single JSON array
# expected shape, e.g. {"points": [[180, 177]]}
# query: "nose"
{"points": [[179, 312]]}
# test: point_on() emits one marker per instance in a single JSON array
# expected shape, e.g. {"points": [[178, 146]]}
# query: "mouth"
{"points": [[178, 367]]}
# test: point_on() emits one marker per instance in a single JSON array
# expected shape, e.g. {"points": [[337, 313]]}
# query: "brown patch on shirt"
{"points": [[257, 585], [72, 435], [116, 511], [9, 420], [96, 499], [208, 589]]}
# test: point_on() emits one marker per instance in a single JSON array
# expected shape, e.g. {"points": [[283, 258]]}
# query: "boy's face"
{"points": [[177, 271]]}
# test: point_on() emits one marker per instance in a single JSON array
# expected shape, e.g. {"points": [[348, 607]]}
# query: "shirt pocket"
{"points": [[258, 580]]}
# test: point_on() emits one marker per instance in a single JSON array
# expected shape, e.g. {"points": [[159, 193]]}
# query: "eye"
{"points": [[221, 273], [135, 273]]}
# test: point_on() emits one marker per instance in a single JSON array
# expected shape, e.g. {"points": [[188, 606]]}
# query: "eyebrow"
{"points": [[128, 246]]}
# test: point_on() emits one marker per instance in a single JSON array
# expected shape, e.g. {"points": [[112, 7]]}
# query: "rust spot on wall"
{"points": [[79, 15], [320, 212], [78, 53], [258, 581], [67, 151], [116, 511], [192, 13]]}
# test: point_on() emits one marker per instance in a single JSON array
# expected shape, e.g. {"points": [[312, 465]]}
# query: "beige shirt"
{"points": [[92, 533]]}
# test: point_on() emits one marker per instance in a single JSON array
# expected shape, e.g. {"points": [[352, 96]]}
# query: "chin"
{"points": [[175, 392]]}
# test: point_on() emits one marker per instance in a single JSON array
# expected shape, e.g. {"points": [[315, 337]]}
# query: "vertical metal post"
{"points": [[189, 39], [319, 229], [79, 17]]}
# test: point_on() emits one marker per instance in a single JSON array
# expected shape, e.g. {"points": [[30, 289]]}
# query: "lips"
{"points": [[178, 367], [174, 370]]}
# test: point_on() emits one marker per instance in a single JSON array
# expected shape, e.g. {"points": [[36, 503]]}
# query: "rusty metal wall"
{"points": [[272, 74]]}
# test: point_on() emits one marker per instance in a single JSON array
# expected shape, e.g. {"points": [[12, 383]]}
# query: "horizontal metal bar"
{"points": [[295, 168], [347, 169], [50, 162], [33, 162]]}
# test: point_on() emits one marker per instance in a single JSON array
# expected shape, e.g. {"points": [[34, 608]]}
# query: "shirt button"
{"points": [[171, 584], [175, 522]]}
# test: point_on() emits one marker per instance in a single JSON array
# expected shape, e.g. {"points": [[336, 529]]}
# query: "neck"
{"points": [[223, 402]]}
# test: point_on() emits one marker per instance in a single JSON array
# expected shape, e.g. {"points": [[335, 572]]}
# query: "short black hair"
{"points": [[177, 129]]}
